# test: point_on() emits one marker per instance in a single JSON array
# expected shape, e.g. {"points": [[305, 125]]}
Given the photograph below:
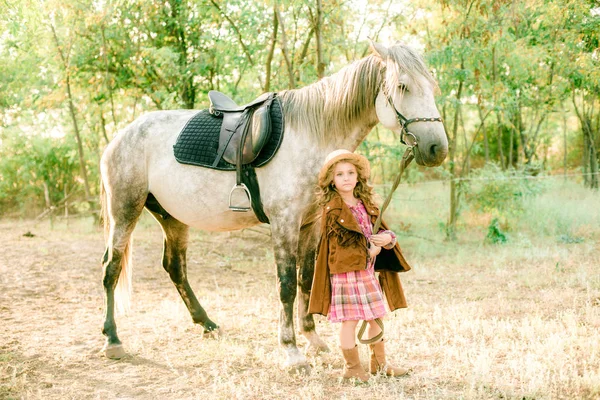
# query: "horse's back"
{"points": [[150, 131], [153, 125]]}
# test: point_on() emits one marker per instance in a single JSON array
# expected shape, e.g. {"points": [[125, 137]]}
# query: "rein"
{"points": [[407, 157]]}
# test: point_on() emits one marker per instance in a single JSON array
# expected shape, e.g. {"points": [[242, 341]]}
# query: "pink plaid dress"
{"points": [[356, 295]]}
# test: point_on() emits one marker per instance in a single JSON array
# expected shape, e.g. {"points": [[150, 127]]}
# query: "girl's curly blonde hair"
{"points": [[363, 190]]}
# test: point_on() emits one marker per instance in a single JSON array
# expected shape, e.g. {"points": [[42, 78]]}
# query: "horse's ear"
{"points": [[379, 49]]}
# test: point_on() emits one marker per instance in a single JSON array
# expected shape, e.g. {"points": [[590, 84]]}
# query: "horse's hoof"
{"points": [[296, 364], [114, 351], [217, 333], [300, 369], [316, 349]]}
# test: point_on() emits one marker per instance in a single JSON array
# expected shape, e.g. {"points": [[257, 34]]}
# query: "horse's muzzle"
{"points": [[431, 153]]}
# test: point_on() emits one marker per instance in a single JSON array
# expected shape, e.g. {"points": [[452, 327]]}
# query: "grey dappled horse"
{"points": [[138, 166]]}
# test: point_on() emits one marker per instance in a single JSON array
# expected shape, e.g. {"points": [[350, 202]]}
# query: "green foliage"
{"points": [[33, 163], [522, 62], [495, 234], [384, 154], [494, 191]]}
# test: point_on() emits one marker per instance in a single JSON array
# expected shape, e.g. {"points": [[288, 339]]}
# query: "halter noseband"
{"points": [[404, 122]]}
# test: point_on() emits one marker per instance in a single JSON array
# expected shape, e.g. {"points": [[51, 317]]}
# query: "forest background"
{"points": [[519, 87]]}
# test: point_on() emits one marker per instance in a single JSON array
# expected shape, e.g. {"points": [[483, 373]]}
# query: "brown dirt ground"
{"points": [[51, 306], [468, 344]]}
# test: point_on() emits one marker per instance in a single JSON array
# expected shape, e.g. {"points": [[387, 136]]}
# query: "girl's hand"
{"points": [[373, 251], [381, 239]]}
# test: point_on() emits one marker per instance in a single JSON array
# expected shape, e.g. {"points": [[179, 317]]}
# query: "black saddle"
{"points": [[245, 129], [232, 137], [220, 101]]}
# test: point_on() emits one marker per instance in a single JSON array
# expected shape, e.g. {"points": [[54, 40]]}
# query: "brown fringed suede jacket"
{"points": [[343, 248]]}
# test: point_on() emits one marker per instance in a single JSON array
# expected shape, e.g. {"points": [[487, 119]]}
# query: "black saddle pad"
{"points": [[198, 142]]}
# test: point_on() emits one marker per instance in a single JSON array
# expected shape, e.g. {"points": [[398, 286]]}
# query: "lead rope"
{"points": [[406, 159]]}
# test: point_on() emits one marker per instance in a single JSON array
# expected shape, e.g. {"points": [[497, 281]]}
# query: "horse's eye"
{"points": [[402, 87]]}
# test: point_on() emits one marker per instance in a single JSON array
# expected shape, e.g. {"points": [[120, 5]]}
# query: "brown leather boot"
{"points": [[352, 366], [378, 362]]}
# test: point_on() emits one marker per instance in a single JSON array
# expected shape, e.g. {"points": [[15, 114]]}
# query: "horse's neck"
{"points": [[339, 110], [348, 134], [354, 138]]}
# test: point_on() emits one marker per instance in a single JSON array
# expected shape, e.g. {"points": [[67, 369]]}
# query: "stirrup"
{"points": [[244, 188]]}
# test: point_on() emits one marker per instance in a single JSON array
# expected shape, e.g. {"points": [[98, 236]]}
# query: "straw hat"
{"points": [[344, 155]]}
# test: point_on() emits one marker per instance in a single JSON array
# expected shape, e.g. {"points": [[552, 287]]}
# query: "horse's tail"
{"points": [[124, 285], [104, 211]]}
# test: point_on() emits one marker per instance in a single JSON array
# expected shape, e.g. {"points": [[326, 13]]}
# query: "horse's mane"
{"points": [[335, 104]]}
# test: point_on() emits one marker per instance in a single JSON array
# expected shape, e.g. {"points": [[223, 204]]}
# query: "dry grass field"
{"points": [[513, 321]]}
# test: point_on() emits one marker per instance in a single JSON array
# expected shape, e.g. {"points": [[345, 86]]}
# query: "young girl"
{"points": [[344, 284]]}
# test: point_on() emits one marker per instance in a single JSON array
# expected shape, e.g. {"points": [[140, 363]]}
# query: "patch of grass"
{"points": [[567, 209]]}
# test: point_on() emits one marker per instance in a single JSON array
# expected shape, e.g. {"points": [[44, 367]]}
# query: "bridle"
{"points": [[404, 122]]}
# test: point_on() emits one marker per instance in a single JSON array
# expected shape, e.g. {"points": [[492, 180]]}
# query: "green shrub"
{"points": [[495, 234], [501, 193], [30, 162]]}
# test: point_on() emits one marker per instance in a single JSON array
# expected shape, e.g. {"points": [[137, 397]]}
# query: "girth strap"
{"points": [[248, 178]]}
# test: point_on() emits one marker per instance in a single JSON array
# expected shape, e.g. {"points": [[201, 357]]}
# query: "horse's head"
{"points": [[405, 103]]}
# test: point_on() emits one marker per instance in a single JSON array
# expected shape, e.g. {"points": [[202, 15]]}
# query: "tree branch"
{"points": [[237, 31], [284, 50], [271, 49]]}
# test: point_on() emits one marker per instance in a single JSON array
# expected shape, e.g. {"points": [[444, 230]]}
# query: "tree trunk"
{"points": [[188, 89], [271, 50], [82, 167], [466, 166], [47, 195], [108, 85], [500, 143], [284, 51], [103, 126], [66, 205], [592, 156], [454, 192], [486, 145], [303, 54], [511, 139], [65, 61], [526, 141], [565, 147], [584, 159], [317, 24]]}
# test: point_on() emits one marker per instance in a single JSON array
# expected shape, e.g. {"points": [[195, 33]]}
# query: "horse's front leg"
{"points": [[285, 242], [306, 261]]}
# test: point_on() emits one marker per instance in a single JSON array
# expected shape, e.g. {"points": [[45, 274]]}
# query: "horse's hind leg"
{"points": [[306, 261], [175, 245], [124, 214]]}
